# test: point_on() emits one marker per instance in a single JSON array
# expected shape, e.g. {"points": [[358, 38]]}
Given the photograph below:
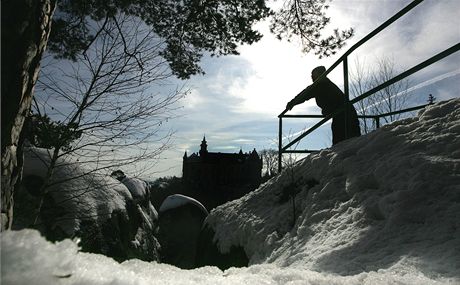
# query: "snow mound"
{"points": [[98, 209], [389, 200], [79, 194]]}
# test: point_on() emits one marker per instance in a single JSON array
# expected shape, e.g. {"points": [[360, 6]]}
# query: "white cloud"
{"points": [[429, 28], [434, 80], [281, 71], [439, 27], [193, 99]]}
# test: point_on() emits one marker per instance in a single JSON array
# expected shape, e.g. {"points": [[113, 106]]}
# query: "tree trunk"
{"points": [[25, 30]]}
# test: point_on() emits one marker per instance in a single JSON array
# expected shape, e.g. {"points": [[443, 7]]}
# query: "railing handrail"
{"points": [[344, 59], [364, 116], [375, 117]]}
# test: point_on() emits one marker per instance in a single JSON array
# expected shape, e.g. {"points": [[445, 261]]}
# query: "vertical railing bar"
{"points": [[280, 144], [346, 92], [345, 79]]}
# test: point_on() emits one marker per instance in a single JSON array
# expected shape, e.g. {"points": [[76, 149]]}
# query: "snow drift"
{"points": [[384, 209], [388, 200]]}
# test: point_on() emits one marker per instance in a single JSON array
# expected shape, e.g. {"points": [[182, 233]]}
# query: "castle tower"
{"points": [[204, 147]]}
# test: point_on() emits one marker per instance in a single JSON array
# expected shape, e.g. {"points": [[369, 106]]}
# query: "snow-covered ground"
{"points": [[385, 210]]}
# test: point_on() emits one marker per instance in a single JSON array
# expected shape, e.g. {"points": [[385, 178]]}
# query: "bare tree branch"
{"points": [[106, 99], [389, 99]]}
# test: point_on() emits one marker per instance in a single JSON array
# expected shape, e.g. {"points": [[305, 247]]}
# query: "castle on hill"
{"points": [[215, 178]]}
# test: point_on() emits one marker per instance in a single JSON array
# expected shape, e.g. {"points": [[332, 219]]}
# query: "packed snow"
{"points": [[384, 209]]}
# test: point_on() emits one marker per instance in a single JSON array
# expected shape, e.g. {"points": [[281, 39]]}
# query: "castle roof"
{"points": [[219, 157]]}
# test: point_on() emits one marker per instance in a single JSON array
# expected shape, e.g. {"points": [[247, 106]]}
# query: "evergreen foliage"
{"points": [[43, 132], [191, 28], [306, 19]]}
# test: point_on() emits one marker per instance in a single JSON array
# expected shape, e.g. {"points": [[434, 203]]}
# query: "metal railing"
{"points": [[344, 60], [376, 118]]}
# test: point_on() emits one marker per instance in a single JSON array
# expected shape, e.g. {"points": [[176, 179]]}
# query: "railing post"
{"points": [[280, 143], [345, 78], [346, 91], [377, 122]]}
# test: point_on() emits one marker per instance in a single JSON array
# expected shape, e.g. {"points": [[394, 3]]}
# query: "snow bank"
{"points": [[27, 258], [386, 201]]}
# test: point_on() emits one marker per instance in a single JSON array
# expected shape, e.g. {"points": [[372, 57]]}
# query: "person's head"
{"points": [[316, 72]]}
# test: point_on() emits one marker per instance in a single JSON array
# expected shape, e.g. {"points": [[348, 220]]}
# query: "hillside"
{"points": [[386, 201]]}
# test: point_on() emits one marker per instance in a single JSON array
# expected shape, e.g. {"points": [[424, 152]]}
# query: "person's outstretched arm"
{"points": [[303, 96]]}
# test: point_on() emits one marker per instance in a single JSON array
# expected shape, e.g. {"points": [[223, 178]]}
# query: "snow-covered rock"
{"points": [[95, 208], [137, 187], [181, 219]]}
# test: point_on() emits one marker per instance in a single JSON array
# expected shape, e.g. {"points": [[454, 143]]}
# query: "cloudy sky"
{"points": [[236, 103]]}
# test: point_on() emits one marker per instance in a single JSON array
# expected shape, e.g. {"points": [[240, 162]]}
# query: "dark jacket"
{"points": [[329, 98]]}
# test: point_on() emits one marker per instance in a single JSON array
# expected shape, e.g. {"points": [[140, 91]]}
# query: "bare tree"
{"points": [[359, 84], [290, 190], [393, 97], [269, 162], [389, 99], [106, 101]]}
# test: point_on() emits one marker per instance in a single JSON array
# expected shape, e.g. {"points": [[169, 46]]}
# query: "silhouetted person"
{"points": [[329, 98]]}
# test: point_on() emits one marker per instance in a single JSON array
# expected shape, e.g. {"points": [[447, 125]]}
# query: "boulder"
{"points": [[180, 222]]}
